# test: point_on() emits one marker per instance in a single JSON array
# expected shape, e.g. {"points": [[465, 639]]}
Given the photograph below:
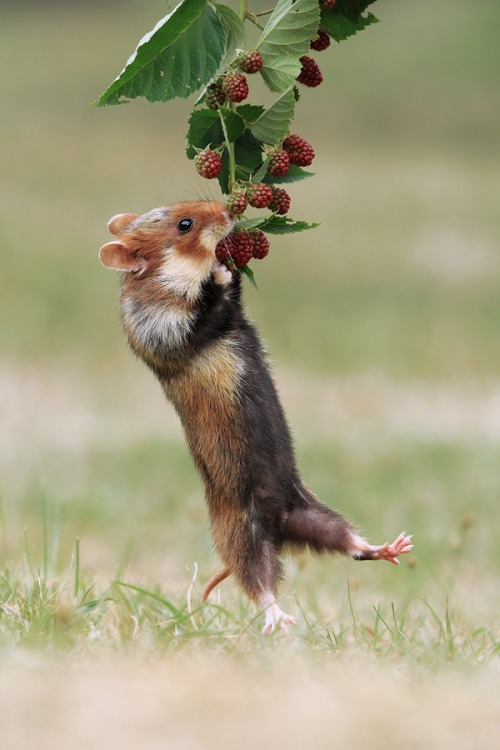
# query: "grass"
{"points": [[383, 325]]}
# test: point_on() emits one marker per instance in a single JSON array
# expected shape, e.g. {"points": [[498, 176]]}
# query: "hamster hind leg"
{"points": [[252, 558], [324, 530]]}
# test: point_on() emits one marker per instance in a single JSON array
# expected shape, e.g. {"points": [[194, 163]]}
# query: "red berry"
{"points": [[327, 4], [321, 43], [224, 249], [236, 203], [214, 96], [208, 163], [260, 195], [310, 74], [280, 203], [279, 163], [299, 150], [260, 244], [235, 87], [250, 62], [242, 248]]}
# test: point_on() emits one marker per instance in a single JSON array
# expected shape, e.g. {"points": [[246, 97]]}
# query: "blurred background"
{"points": [[383, 323]]}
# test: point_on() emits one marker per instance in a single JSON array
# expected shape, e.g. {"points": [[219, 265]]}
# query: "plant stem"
{"points": [[230, 151], [243, 10], [252, 17]]}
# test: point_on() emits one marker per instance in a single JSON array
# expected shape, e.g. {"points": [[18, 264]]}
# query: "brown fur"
{"points": [[183, 316]]}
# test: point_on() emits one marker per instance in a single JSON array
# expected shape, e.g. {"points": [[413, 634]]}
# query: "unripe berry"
{"points": [[208, 163], [310, 74], [279, 163], [235, 87], [322, 42], [280, 203], [250, 62], [260, 244], [327, 4], [259, 196], [301, 152], [236, 203], [215, 96]]}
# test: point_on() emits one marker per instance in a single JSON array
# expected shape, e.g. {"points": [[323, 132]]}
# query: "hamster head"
{"points": [[170, 248]]}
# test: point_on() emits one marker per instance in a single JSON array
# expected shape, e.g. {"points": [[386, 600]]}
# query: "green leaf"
{"points": [[205, 129], [248, 151], [285, 225], [179, 56], [294, 174], [285, 39], [346, 18], [275, 224], [250, 112], [250, 275], [273, 125], [234, 31]]}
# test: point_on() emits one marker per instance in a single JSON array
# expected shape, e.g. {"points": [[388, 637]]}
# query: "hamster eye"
{"points": [[185, 225]]}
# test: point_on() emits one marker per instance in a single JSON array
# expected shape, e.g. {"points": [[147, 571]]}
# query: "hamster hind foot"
{"points": [[275, 617], [390, 552]]}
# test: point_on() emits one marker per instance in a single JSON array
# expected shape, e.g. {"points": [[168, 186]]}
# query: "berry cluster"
{"points": [[231, 87], [239, 247]]}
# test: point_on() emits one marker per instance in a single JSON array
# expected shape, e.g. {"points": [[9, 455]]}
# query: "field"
{"points": [[383, 326]]}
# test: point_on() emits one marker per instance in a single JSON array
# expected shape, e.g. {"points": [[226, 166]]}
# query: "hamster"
{"points": [[182, 314]]}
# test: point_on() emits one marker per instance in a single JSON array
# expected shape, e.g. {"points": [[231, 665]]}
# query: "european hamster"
{"points": [[182, 314]]}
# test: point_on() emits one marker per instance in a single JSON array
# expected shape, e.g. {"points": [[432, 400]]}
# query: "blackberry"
{"points": [[208, 163], [280, 203], [215, 96], [279, 163], [224, 249], [322, 42], [242, 248], [250, 62], [259, 196], [310, 74], [301, 152], [235, 87], [260, 243], [236, 203]]}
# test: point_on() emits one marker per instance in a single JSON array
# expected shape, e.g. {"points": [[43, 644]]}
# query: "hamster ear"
{"points": [[117, 256], [118, 223]]}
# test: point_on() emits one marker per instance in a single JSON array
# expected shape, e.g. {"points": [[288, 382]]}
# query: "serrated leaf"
{"points": [[261, 172], [346, 18], [250, 275], [247, 224], [273, 125], [234, 31], [294, 174], [248, 151], [205, 129], [285, 225], [179, 56], [250, 112], [285, 38]]}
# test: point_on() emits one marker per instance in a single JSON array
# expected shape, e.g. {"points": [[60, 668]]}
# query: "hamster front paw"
{"points": [[222, 275]]}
